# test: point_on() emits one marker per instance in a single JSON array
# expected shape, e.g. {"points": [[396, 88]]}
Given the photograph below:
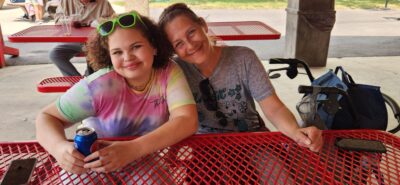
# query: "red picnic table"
{"points": [[5, 50], [51, 33], [235, 30], [240, 158]]}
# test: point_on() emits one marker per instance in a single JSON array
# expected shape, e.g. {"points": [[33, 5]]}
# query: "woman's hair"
{"points": [[174, 10], [98, 51]]}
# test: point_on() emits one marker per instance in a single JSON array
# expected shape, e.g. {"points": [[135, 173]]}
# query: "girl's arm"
{"points": [[283, 119], [181, 124], [50, 133]]}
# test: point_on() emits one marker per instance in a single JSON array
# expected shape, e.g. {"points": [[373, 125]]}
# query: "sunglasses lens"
{"points": [[219, 114], [210, 101], [127, 20], [241, 125], [208, 95], [222, 118], [223, 122], [106, 28], [204, 86]]}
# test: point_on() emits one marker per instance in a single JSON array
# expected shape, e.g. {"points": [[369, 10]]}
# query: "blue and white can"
{"points": [[84, 139]]}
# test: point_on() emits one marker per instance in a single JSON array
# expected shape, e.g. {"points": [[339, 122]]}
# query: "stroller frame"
{"points": [[331, 105]]}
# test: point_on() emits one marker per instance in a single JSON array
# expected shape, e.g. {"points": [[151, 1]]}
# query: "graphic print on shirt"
{"points": [[159, 101], [231, 103]]}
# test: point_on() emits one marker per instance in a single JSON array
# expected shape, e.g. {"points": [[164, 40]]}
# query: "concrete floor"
{"points": [[20, 101]]}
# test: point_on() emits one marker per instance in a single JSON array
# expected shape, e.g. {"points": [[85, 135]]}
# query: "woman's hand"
{"points": [[310, 137], [281, 117], [112, 156], [69, 158]]}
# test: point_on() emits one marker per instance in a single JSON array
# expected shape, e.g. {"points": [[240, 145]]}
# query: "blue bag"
{"points": [[329, 79], [364, 107], [368, 102]]}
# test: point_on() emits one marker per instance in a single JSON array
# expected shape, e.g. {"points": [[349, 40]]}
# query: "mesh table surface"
{"points": [[234, 30], [57, 84], [242, 30], [248, 158], [51, 33]]}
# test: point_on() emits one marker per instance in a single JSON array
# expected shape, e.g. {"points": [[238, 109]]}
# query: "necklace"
{"points": [[141, 88]]}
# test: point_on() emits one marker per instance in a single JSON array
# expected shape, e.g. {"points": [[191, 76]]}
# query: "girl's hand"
{"points": [[310, 137], [114, 156], [69, 158]]}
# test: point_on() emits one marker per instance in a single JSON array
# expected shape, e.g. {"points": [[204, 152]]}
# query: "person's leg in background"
{"points": [[61, 56], [31, 11], [38, 5], [26, 14]]}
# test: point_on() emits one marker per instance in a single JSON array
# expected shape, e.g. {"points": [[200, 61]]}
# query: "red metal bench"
{"points": [[6, 50], [57, 84]]}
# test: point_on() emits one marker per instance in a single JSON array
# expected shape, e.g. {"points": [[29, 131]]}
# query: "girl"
{"points": [[136, 91]]}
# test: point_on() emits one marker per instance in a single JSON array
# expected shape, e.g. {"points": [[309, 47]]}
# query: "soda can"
{"points": [[84, 139]]}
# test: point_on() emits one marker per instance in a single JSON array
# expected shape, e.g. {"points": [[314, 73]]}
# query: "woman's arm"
{"points": [[181, 124], [50, 133], [283, 119]]}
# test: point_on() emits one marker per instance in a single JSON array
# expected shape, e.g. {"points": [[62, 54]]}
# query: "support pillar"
{"points": [[308, 29]]}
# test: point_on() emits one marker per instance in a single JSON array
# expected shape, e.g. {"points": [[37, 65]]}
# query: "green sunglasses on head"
{"points": [[125, 21]]}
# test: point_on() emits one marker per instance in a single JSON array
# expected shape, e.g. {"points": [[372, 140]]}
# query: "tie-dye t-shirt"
{"points": [[116, 110]]}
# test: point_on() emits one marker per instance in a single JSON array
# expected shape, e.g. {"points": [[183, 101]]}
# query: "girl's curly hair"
{"points": [[97, 53]]}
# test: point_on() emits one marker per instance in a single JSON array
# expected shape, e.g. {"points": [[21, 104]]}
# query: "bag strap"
{"points": [[346, 77], [353, 110]]}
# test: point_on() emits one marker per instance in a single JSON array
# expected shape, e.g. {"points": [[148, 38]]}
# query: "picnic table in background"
{"points": [[6, 50], [234, 30], [242, 30], [233, 159], [51, 33], [231, 30]]}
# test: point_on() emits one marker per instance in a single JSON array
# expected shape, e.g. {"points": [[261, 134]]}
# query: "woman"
{"points": [[225, 80], [136, 91]]}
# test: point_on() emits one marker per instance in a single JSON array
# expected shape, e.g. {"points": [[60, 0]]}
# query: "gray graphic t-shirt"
{"points": [[238, 79]]}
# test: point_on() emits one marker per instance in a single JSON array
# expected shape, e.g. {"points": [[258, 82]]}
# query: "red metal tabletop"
{"points": [[242, 30], [235, 30], [50, 33], [246, 158]]}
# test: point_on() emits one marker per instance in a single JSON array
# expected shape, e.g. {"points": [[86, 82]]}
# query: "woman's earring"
{"points": [[155, 52]]}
